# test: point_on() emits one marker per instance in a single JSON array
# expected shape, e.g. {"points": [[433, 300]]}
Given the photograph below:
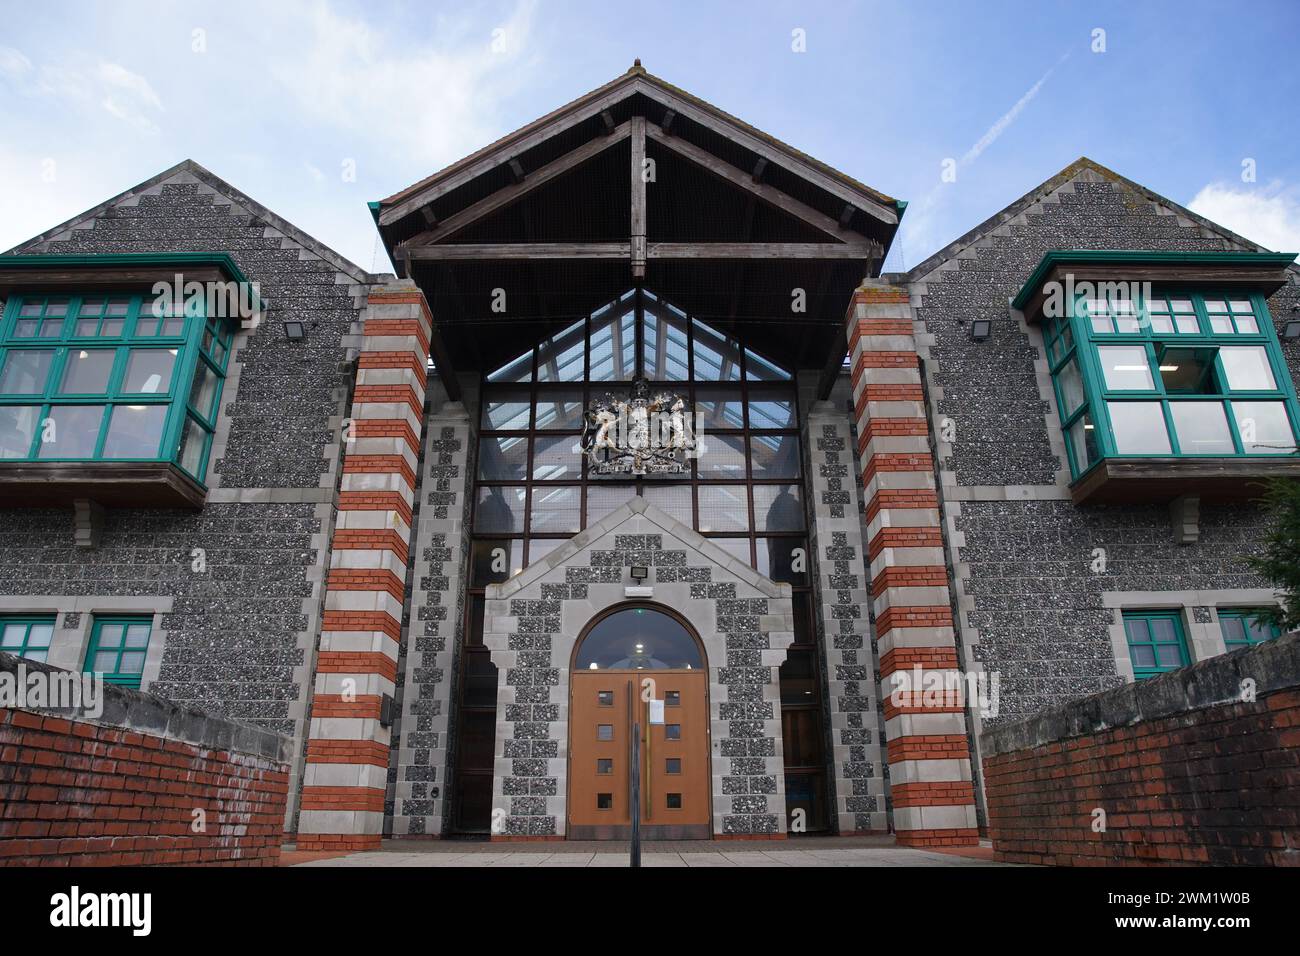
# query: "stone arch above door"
{"points": [[744, 620]]}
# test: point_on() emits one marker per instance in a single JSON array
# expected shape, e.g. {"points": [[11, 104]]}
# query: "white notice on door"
{"points": [[656, 711]]}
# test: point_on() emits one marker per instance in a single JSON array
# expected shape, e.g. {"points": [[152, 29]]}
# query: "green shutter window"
{"points": [[1155, 642], [111, 377], [27, 636], [1242, 627], [118, 645], [1178, 376]]}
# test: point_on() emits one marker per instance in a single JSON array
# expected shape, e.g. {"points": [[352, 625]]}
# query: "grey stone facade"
{"points": [[1036, 605], [843, 608], [433, 632], [743, 619], [240, 636]]}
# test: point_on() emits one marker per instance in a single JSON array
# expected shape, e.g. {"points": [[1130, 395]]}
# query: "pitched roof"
{"points": [[227, 191]]}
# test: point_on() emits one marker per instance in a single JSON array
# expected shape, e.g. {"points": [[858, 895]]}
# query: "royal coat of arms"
{"points": [[643, 434]]}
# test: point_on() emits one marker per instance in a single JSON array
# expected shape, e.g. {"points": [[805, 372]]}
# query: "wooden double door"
{"points": [[608, 710]]}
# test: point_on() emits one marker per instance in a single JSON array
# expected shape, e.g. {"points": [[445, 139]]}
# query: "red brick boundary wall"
{"points": [[122, 789], [1185, 769]]}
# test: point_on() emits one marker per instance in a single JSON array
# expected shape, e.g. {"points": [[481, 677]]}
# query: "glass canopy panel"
{"points": [[559, 409], [667, 353], [722, 456], [562, 357], [639, 638], [557, 458], [718, 408], [717, 356], [613, 347], [506, 410]]}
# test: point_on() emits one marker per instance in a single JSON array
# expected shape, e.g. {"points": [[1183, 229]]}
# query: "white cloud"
{"points": [[1268, 215], [436, 101], [13, 63]]}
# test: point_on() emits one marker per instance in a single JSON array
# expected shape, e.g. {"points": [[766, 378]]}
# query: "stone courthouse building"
{"points": [[389, 516]]}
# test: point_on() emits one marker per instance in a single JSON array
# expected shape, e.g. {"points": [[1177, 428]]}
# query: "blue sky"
{"points": [[280, 96]]}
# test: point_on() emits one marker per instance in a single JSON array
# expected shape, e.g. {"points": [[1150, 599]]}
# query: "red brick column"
{"points": [[927, 749], [347, 751]]}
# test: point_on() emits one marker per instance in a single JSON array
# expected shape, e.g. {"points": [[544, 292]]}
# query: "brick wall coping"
{"points": [[159, 717], [1273, 666]]}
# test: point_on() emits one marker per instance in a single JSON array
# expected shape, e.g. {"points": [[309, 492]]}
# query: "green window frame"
{"points": [[27, 635], [1183, 375], [1242, 627], [1156, 642], [81, 379], [119, 644]]}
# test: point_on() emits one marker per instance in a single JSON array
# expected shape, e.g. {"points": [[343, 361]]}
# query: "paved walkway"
{"points": [[807, 852]]}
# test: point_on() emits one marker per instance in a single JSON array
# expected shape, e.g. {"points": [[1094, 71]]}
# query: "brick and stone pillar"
{"points": [[843, 624], [356, 666], [927, 749]]}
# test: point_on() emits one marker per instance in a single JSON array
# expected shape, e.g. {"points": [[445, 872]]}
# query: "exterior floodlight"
{"points": [[1292, 330], [639, 572], [979, 329], [293, 330]]}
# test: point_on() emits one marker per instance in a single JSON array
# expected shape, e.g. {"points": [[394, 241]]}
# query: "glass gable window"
{"points": [[1188, 375], [110, 378], [744, 490]]}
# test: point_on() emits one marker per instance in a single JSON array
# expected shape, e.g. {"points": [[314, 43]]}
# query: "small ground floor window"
{"points": [[27, 636], [1243, 627], [1156, 642], [118, 645]]}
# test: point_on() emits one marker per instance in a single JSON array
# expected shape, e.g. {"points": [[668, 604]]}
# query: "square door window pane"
{"points": [[556, 510], [1202, 428], [672, 500], [672, 698], [72, 432], [499, 510], [494, 560], [557, 457], [149, 371], [18, 427], [719, 408], [602, 499], [605, 698], [502, 457], [1125, 367], [672, 765], [559, 409], [25, 371], [135, 431], [774, 456], [1264, 428], [1138, 428], [506, 411], [722, 456], [783, 559], [539, 548], [724, 508], [672, 731], [1246, 368], [778, 508], [86, 371], [604, 731], [604, 801], [604, 765], [674, 801]]}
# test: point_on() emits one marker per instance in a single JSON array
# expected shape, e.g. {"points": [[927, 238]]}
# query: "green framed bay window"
{"points": [[1156, 641], [27, 635], [118, 645], [110, 377], [1243, 627], [1174, 375], [1179, 375]]}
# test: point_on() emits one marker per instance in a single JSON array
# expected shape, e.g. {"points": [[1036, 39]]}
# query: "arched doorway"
{"points": [[639, 671]]}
